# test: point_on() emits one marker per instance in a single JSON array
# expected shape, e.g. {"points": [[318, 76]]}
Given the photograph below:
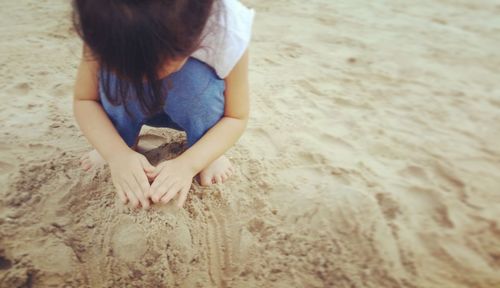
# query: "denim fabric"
{"points": [[194, 104]]}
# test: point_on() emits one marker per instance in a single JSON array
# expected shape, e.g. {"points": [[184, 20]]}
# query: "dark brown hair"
{"points": [[135, 38]]}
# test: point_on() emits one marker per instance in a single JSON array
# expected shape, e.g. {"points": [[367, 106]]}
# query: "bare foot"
{"points": [[92, 159], [217, 172]]}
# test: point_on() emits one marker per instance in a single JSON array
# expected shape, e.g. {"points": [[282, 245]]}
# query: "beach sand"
{"points": [[372, 158]]}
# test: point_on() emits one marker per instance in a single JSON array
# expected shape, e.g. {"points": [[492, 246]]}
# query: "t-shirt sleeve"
{"points": [[226, 36]]}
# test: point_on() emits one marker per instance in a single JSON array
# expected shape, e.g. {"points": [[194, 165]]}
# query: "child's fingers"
{"points": [[151, 174], [121, 194], [183, 196], [142, 181], [137, 189], [130, 194], [172, 191], [224, 177], [157, 183], [146, 165], [151, 178], [160, 167], [140, 199], [154, 173], [162, 189]]}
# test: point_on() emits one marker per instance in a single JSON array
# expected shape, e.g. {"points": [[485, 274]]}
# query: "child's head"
{"points": [[137, 39]]}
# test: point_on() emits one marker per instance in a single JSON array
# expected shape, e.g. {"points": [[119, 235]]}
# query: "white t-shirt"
{"points": [[226, 36]]}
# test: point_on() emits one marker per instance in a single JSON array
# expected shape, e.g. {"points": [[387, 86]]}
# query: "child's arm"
{"points": [[229, 129], [89, 114], [176, 175], [125, 164]]}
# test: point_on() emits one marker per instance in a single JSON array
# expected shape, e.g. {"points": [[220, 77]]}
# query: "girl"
{"points": [[181, 64]]}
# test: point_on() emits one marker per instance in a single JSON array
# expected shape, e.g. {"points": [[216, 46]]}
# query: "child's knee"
{"points": [[196, 100]]}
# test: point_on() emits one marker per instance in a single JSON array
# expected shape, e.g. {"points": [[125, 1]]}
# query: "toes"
{"points": [[85, 162], [205, 181], [223, 177], [218, 179], [86, 165], [134, 203]]}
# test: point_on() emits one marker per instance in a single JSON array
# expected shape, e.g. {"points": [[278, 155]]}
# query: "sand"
{"points": [[372, 158]]}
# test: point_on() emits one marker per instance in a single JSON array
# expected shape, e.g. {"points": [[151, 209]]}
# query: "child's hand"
{"points": [[171, 177], [129, 177]]}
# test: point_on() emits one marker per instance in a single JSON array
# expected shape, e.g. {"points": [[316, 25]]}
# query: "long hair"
{"points": [[134, 39]]}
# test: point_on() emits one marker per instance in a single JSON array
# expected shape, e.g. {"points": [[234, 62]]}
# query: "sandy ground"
{"points": [[372, 158]]}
